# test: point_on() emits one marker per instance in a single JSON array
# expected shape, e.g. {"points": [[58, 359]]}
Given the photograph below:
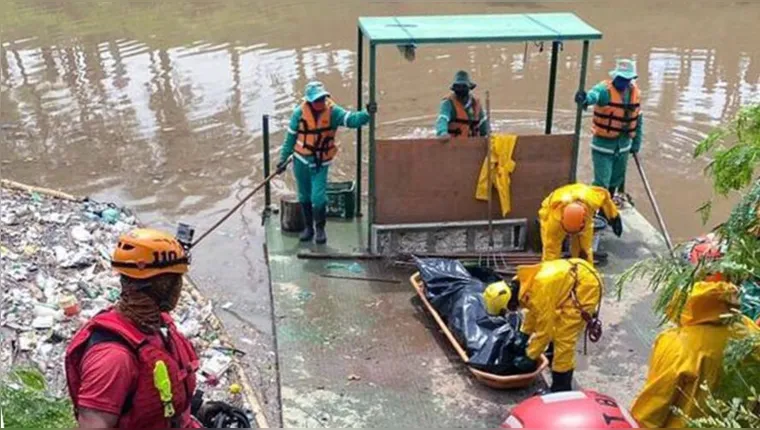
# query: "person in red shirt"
{"points": [[129, 367]]}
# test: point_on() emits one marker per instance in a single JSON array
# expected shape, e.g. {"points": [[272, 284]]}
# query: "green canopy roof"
{"points": [[400, 30]]}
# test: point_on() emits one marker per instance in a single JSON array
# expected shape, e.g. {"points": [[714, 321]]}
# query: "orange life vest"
{"points": [[315, 136], [618, 117], [461, 125]]}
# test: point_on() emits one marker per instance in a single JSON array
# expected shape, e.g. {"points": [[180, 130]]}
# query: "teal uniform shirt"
{"points": [[600, 96], [310, 179], [447, 112], [610, 156], [339, 117]]}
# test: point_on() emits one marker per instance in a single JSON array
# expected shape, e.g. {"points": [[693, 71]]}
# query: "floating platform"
{"points": [[357, 353]]}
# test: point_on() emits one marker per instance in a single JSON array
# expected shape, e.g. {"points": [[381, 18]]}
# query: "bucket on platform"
{"points": [[291, 218], [600, 223]]}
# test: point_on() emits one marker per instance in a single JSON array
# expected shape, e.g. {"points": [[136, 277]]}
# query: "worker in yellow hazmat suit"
{"points": [[560, 299], [570, 210], [690, 354], [502, 166]]}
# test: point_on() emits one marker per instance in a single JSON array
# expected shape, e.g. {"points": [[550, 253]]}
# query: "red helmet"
{"points": [[570, 409], [707, 248]]}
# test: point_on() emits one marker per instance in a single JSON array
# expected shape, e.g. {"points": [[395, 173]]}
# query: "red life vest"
{"points": [[618, 117], [315, 136], [461, 125], [144, 408]]}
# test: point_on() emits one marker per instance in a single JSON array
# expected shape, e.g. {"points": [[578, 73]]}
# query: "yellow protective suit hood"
{"points": [[551, 312], [708, 302], [688, 355]]}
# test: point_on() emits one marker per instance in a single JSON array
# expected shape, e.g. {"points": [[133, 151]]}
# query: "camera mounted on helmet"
{"points": [[185, 235]]}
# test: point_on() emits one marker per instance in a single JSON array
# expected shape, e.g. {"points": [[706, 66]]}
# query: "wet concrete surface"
{"points": [[356, 353], [617, 365], [158, 105]]}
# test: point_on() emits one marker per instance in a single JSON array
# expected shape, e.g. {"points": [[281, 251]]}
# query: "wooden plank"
{"points": [[424, 180]]}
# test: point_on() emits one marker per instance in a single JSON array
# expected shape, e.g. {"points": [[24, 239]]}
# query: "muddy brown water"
{"points": [[158, 105]]}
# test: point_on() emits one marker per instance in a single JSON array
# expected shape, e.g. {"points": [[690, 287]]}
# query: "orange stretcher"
{"points": [[489, 379]]}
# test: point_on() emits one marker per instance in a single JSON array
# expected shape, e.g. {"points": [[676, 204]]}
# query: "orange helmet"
{"points": [[574, 217], [144, 253]]}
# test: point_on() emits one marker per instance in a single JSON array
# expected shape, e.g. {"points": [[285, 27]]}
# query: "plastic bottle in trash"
{"points": [[69, 304]]}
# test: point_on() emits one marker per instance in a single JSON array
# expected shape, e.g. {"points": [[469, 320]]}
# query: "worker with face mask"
{"points": [[311, 134], [689, 355], [461, 114], [129, 366], [570, 210], [617, 125], [561, 299]]}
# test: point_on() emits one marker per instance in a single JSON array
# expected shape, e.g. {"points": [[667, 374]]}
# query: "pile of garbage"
{"points": [[56, 275]]}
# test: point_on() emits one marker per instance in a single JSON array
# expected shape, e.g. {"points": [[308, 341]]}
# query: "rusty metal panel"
{"points": [[424, 180]]}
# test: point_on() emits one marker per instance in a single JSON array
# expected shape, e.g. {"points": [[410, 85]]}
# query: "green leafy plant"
{"points": [[734, 404], [670, 277], [719, 413], [735, 154], [26, 402], [735, 151]]}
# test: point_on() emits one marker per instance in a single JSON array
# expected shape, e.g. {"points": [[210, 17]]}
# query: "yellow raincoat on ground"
{"points": [[502, 166], [547, 293], [550, 217], [688, 355]]}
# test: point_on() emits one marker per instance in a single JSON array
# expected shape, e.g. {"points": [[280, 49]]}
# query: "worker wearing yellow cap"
{"points": [[570, 210]]}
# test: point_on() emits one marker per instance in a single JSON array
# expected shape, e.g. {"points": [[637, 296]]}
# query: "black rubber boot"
{"points": [[550, 353], [320, 219], [562, 381], [308, 221]]}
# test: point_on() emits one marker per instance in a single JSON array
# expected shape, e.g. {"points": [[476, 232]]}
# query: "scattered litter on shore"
{"points": [[56, 275]]}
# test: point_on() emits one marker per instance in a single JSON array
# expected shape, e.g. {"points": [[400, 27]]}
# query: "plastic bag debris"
{"points": [[80, 234], [456, 292]]}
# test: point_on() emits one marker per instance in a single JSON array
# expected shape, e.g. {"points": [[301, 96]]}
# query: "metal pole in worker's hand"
{"points": [[656, 208], [265, 142], [280, 168], [490, 180]]}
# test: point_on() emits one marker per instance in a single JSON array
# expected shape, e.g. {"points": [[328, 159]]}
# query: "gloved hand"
{"points": [[525, 364], [281, 166], [580, 98], [617, 226], [522, 340], [520, 344]]}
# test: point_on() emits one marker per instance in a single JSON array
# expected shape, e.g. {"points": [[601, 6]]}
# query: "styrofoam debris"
{"points": [[80, 234], [43, 322]]}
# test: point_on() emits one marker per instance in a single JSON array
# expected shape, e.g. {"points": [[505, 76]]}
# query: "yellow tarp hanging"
{"points": [[502, 166]]}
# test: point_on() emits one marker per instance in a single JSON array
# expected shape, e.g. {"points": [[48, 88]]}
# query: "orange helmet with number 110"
{"points": [[144, 253]]}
